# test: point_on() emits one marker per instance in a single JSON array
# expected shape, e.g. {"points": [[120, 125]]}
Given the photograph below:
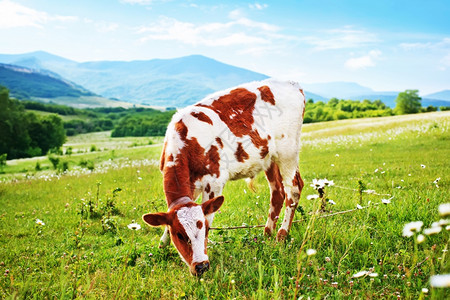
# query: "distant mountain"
{"points": [[340, 90], [29, 83], [158, 82], [46, 86], [442, 95]]}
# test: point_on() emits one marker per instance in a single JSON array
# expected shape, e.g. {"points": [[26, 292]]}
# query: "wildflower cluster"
{"points": [[319, 185], [412, 228]]}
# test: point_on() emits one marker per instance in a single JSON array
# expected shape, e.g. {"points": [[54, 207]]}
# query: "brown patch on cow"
{"points": [[199, 224], [276, 185], [163, 157], [240, 153], [264, 152], [281, 235], [211, 195], [269, 137], [298, 181], [266, 94], [208, 188], [192, 164], [236, 111], [179, 238], [202, 117], [219, 142], [304, 103]]}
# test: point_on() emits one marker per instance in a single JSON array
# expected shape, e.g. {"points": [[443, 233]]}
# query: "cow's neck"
{"points": [[177, 183]]}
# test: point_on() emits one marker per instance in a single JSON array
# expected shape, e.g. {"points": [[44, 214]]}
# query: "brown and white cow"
{"points": [[229, 135]]}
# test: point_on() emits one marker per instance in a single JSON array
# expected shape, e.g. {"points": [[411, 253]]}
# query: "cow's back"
{"points": [[248, 126]]}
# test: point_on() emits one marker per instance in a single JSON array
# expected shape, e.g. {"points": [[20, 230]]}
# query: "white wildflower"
{"points": [[444, 209], [337, 155], [40, 222], [385, 201], [423, 166], [432, 230], [373, 274], [317, 184], [443, 222], [425, 290], [327, 182], [312, 197], [134, 226], [439, 281], [408, 229], [420, 238], [437, 180], [331, 202], [311, 252], [360, 274], [376, 170], [359, 206]]}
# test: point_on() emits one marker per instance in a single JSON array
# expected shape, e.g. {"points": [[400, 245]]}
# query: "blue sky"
{"points": [[385, 45]]}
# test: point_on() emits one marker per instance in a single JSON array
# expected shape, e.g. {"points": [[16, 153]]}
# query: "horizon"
{"points": [[384, 46]]}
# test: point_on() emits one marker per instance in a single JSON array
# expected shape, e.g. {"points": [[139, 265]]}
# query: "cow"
{"points": [[229, 135]]}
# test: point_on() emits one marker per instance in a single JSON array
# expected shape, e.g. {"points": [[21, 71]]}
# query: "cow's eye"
{"points": [[180, 236]]}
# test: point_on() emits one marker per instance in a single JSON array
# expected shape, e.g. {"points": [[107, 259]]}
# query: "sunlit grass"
{"points": [[73, 255]]}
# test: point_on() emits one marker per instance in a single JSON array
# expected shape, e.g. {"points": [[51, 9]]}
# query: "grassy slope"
{"points": [[74, 256]]}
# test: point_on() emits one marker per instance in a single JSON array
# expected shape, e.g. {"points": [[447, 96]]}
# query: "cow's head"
{"points": [[188, 230]]}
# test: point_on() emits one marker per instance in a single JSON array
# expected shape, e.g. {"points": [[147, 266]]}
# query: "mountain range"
{"points": [[174, 82]]}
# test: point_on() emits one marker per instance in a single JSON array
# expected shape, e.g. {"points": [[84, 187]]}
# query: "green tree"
{"points": [[408, 102]]}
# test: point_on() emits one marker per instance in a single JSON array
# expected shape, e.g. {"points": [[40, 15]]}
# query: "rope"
{"points": [[303, 219]]}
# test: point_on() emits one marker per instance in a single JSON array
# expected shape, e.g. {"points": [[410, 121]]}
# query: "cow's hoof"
{"points": [[267, 231], [281, 235]]}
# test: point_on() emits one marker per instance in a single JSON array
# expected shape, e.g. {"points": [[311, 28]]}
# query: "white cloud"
{"points": [[238, 31], [16, 15], [104, 27], [341, 38], [141, 2], [363, 62], [258, 6]]}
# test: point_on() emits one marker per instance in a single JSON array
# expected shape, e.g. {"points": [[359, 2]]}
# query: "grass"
{"points": [[86, 250]]}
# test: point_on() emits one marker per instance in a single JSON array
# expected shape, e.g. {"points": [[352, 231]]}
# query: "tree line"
{"points": [[25, 134]]}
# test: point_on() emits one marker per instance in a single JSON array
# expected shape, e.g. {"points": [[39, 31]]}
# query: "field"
{"points": [[85, 249]]}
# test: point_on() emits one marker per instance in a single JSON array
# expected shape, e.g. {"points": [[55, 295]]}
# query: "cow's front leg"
{"points": [[165, 239]]}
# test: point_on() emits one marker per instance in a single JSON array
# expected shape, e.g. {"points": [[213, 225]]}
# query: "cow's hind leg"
{"points": [[293, 185], [276, 197], [211, 190]]}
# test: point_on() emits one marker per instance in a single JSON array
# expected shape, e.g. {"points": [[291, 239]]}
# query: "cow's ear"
{"points": [[156, 219], [212, 205]]}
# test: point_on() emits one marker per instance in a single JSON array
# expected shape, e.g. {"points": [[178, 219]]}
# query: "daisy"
{"points": [[39, 222], [438, 281], [311, 252], [359, 206], [444, 209], [373, 274], [327, 182], [134, 226], [420, 238], [312, 197], [360, 274], [432, 230], [423, 166], [317, 184], [385, 201], [331, 202], [408, 229]]}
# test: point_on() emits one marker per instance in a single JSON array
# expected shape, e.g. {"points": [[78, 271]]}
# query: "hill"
{"points": [[28, 83], [47, 86], [442, 95], [158, 82]]}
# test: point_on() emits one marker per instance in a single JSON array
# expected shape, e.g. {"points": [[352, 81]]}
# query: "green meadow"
{"points": [[64, 234]]}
